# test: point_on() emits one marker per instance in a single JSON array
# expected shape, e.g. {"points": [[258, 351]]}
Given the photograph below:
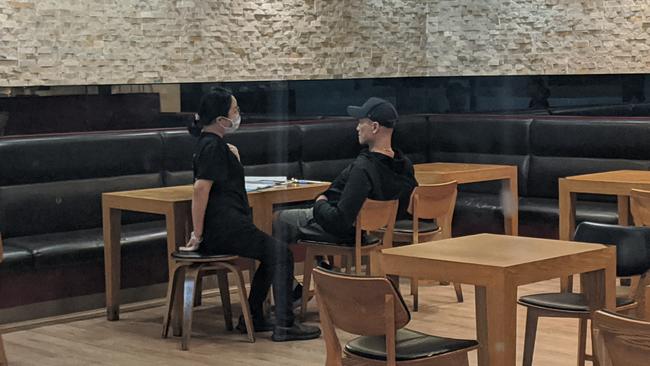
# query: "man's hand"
{"points": [[234, 150], [321, 197]]}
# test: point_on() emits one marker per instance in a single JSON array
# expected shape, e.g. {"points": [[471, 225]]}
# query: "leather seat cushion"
{"points": [[332, 240], [565, 301], [480, 212], [409, 344], [424, 226], [73, 247], [16, 259], [199, 256]]}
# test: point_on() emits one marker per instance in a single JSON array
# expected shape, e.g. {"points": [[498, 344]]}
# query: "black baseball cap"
{"points": [[377, 109]]}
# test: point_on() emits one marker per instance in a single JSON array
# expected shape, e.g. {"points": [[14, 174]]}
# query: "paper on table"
{"points": [[250, 187], [265, 180]]}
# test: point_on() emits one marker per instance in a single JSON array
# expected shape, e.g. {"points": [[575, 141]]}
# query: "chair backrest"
{"points": [[433, 201], [339, 293], [640, 207], [620, 341], [632, 245], [375, 215], [360, 305]]}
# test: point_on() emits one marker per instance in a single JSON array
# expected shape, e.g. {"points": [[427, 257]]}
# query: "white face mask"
{"points": [[234, 124]]}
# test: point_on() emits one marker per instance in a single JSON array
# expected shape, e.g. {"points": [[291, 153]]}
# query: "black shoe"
{"points": [[296, 294], [296, 332], [326, 265], [296, 297], [260, 325]]}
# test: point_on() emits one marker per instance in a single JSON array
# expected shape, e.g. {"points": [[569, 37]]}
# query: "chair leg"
{"points": [[191, 275], [198, 298], [582, 341], [243, 299], [591, 357], [414, 291], [646, 301], [3, 355], [531, 333], [357, 264], [172, 287], [306, 281], [224, 292], [459, 292]]}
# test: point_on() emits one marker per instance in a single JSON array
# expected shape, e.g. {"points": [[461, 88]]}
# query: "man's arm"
{"points": [[338, 217]]}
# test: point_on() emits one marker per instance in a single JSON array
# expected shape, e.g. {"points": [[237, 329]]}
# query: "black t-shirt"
{"points": [[228, 202]]}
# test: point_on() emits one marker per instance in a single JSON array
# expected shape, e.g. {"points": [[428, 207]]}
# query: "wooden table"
{"points": [[431, 173], [618, 183], [175, 204], [496, 265]]}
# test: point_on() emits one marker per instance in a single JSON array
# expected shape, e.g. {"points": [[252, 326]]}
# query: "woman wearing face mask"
{"points": [[223, 224]]}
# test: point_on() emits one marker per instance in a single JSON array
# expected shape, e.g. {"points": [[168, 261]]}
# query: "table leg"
{"points": [[567, 201], [599, 286], [510, 206], [263, 216], [112, 227], [175, 222], [496, 323], [623, 210]]}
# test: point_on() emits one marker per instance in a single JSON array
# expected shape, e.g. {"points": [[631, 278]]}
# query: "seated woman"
{"points": [[223, 224]]}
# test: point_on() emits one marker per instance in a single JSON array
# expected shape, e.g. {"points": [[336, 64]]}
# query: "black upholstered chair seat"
{"points": [[566, 301], [409, 345], [202, 257], [367, 240], [424, 226]]}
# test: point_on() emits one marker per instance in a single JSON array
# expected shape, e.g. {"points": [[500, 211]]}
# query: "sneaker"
{"points": [[296, 332], [262, 325]]}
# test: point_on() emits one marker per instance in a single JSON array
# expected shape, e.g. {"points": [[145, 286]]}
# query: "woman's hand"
{"points": [[192, 244], [234, 150]]}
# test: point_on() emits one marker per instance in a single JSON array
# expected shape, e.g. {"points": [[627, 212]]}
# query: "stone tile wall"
{"points": [[68, 42]]}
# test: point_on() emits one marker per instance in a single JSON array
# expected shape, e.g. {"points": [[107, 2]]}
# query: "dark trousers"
{"points": [[276, 268]]}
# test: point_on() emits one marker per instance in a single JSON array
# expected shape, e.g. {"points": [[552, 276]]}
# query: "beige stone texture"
{"points": [[72, 42]]}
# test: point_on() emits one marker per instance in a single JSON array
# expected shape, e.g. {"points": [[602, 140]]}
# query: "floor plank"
{"points": [[135, 340]]}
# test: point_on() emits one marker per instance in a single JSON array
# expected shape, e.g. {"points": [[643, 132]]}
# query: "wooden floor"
{"points": [[135, 340]]}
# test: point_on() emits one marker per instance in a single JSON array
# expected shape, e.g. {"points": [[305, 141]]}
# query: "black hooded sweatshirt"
{"points": [[372, 175]]}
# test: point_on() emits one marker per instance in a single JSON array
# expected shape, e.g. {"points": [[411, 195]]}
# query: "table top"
{"points": [[492, 250], [184, 193], [457, 167], [616, 176]]}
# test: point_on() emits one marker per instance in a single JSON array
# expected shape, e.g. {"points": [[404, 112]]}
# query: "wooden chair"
{"points": [[428, 202], [186, 271], [632, 258], [3, 356], [620, 341], [374, 215], [379, 317], [640, 207]]}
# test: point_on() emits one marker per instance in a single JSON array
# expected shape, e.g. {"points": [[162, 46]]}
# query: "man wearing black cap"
{"points": [[379, 173]]}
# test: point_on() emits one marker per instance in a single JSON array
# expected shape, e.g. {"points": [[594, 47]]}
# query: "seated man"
{"points": [[378, 173]]}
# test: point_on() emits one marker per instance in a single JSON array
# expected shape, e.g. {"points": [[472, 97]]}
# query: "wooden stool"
{"points": [[186, 272]]}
